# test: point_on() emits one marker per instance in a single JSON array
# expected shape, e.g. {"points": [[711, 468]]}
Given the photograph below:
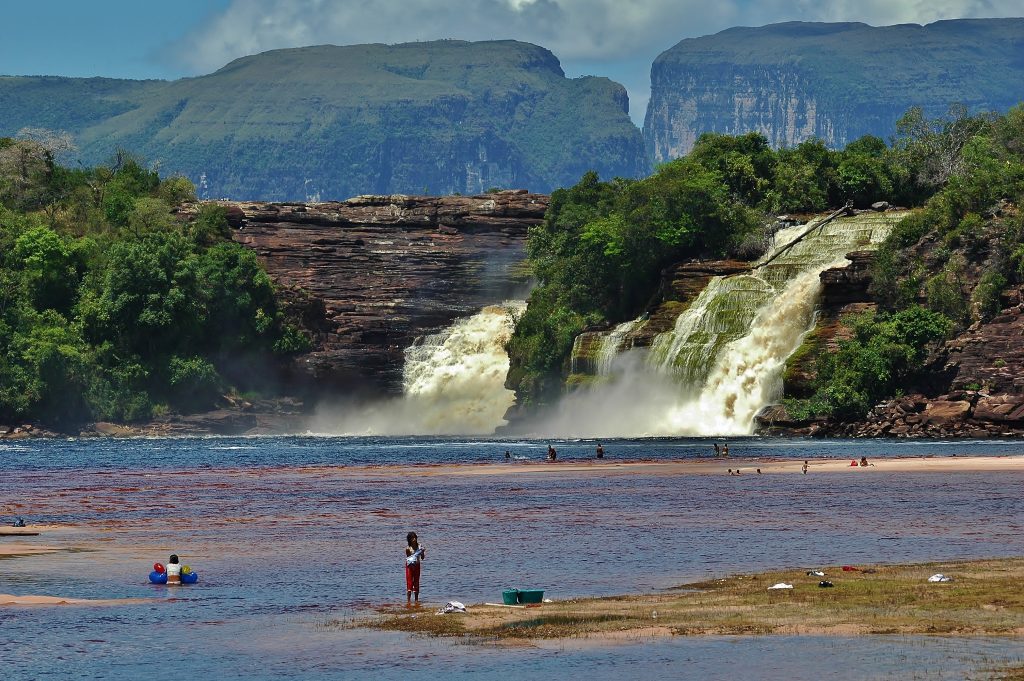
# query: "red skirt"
{"points": [[412, 577]]}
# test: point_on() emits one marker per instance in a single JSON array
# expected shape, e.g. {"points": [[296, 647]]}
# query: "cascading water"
{"points": [[723, 360], [453, 381], [611, 344]]}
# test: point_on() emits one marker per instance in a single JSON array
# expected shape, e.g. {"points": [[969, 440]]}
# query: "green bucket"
{"points": [[531, 595], [510, 596]]}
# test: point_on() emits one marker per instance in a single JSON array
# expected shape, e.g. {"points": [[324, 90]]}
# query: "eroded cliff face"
{"points": [[837, 82], [371, 274], [777, 102]]}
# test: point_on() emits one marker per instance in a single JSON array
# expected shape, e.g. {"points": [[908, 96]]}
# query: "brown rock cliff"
{"points": [[370, 274]]}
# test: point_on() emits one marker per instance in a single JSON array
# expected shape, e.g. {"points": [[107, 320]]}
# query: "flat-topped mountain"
{"points": [[838, 82], [331, 122]]}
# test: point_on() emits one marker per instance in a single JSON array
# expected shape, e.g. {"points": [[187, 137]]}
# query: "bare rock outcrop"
{"points": [[369, 275]]}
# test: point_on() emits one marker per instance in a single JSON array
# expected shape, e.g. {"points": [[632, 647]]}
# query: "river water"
{"points": [[291, 533]]}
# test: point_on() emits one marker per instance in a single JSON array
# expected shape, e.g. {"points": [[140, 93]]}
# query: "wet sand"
{"points": [[10, 599], [710, 466]]}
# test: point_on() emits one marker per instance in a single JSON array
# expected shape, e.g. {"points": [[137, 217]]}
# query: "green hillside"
{"points": [[327, 121]]}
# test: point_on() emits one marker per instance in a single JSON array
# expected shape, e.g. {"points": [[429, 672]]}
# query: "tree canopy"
{"points": [[113, 307]]}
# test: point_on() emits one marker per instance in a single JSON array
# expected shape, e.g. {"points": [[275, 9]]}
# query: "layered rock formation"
{"points": [[837, 82], [371, 274]]}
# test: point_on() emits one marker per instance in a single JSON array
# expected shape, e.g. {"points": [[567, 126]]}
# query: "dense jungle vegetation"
{"points": [[111, 306], [599, 255]]}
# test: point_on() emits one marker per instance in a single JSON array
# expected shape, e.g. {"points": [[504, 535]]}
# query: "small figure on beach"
{"points": [[718, 450], [414, 554], [508, 455], [173, 570], [803, 469], [19, 521], [552, 453], [759, 471], [725, 449], [864, 462], [730, 471], [600, 451]]}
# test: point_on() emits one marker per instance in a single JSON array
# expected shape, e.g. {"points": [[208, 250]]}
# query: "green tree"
{"points": [[47, 267]]}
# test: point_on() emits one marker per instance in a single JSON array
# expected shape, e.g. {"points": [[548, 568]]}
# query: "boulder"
{"points": [[112, 429], [946, 413], [1000, 408]]}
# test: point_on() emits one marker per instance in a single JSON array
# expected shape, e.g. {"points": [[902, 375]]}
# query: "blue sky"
{"points": [[614, 38]]}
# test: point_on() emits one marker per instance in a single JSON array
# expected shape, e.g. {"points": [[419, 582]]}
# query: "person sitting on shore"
{"points": [[864, 462], [173, 570]]}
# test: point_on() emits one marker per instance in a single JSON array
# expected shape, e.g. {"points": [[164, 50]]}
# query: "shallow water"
{"points": [[288, 533]]}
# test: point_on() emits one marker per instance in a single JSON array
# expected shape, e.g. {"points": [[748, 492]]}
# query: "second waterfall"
{"points": [[723, 359]]}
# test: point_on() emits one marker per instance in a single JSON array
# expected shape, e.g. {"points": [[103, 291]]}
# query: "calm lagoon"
{"points": [[288, 533]]}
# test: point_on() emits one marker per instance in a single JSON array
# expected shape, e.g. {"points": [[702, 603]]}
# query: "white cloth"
{"points": [[939, 577], [173, 569], [451, 606], [415, 557], [781, 585]]}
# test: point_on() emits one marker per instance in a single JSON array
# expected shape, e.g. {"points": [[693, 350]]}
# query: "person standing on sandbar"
{"points": [[414, 554]]}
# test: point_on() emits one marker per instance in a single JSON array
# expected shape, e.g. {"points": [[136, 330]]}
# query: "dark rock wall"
{"points": [[371, 274]]}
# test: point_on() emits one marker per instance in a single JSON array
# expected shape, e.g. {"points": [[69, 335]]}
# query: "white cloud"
{"points": [[572, 29], [879, 12], [618, 38]]}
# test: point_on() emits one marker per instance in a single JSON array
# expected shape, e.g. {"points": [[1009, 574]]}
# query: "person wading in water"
{"points": [[414, 554]]}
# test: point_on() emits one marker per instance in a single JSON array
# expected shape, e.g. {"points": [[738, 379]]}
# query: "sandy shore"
{"points": [[11, 599], [981, 599], [713, 466]]}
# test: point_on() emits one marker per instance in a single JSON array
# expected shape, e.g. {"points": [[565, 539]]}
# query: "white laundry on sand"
{"points": [[451, 606]]}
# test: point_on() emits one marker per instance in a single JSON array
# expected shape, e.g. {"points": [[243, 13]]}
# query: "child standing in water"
{"points": [[414, 554], [173, 570]]}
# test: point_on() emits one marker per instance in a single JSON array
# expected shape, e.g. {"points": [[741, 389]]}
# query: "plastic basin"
{"points": [[510, 596], [531, 595]]}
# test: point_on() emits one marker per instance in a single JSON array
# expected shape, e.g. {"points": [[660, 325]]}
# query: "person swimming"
{"points": [[173, 570]]}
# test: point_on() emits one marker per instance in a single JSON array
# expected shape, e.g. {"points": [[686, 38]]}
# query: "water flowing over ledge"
{"points": [[723, 360], [453, 383]]}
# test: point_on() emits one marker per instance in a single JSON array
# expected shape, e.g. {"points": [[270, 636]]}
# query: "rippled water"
{"points": [[288, 533]]}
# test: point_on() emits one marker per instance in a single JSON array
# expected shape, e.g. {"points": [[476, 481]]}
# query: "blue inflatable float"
{"points": [[161, 577]]}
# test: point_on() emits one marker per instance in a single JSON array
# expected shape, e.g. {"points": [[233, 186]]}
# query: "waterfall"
{"points": [[453, 382], [611, 344], [723, 359]]}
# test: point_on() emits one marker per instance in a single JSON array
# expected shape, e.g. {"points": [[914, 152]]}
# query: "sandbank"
{"points": [[720, 466], [982, 599], [11, 599], [23, 549]]}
